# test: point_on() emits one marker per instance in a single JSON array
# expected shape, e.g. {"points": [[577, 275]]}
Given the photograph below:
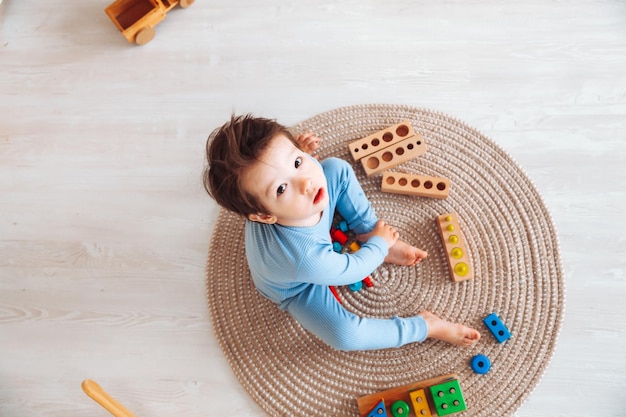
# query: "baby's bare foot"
{"points": [[404, 254], [454, 333]]}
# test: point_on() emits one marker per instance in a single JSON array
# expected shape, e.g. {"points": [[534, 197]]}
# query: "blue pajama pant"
{"points": [[318, 311]]}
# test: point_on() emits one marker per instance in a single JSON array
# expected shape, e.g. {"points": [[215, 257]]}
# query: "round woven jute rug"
{"points": [[514, 252]]}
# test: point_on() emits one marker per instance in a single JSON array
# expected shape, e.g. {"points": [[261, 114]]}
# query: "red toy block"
{"points": [[339, 236]]}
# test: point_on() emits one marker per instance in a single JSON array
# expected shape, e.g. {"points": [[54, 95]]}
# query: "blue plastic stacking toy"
{"points": [[480, 364], [497, 328]]}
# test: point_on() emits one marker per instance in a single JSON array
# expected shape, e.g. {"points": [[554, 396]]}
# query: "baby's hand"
{"points": [[308, 142], [389, 233]]}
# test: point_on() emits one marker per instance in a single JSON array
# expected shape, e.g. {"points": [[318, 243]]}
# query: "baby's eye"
{"points": [[298, 162], [281, 189]]}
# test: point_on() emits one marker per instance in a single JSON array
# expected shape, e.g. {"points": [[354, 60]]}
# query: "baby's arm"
{"points": [[320, 264]]}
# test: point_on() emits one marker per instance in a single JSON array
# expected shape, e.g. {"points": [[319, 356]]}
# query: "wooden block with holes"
{"points": [[406, 393], [454, 245], [411, 184], [379, 140], [394, 155]]}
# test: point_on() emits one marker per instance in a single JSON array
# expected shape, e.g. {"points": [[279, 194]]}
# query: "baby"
{"points": [[259, 170]]}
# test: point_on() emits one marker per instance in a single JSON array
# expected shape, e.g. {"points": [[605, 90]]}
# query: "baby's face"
{"points": [[289, 183]]}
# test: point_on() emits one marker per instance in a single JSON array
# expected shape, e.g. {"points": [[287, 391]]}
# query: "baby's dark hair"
{"points": [[232, 148]]}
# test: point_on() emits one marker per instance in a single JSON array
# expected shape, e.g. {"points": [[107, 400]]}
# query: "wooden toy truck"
{"points": [[136, 19]]}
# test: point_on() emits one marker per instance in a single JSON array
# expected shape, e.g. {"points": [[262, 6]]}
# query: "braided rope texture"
{"points": [[514, 251]]}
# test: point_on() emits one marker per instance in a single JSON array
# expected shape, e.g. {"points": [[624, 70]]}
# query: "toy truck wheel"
{"points": [[186, 3], [144, 36]]}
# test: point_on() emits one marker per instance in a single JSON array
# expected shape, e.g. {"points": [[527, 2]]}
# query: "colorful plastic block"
{"points": [[394, 155], [411, 184], [497, 328], [448, 398], [420, 403], [354, 246], [400, 409], [454, 245], [381, 139], [368, 282], [338, 236], [343, 226], [379, 410], [356, 286], [480, 364]]}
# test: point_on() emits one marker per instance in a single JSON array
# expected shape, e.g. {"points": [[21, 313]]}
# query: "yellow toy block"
{"points": [[136, 19], [454, 244], [420, 185], [420, 403], [379, 140], [394, 155], [354, 246]]}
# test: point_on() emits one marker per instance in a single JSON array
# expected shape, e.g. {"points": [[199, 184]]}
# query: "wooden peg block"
{"points": [[368, 402], [394, 155], [420, 403], [454, 244], [379, 140], [420, 185]]}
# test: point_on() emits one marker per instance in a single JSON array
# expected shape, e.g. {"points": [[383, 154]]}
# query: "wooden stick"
{"points": [[100, 396]]}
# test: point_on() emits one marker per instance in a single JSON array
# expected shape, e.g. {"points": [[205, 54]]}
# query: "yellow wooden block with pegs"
{"points": [[454, 244]]}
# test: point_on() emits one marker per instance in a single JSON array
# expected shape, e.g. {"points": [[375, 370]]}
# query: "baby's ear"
{"points": [[263, 218]]}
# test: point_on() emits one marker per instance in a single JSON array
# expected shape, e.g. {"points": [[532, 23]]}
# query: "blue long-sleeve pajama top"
{"points": [[293, 267]]}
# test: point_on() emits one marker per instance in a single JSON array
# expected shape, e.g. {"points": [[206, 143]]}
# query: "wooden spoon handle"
{"points": [[100, 396]]}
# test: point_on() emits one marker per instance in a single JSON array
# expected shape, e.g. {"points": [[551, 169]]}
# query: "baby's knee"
{"points": [[346, 336]]}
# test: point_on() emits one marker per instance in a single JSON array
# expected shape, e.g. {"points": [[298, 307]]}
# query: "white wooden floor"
{"points": [[105, 226]]}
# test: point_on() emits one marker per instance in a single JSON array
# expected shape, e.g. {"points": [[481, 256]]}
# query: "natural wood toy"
{"points": [[438, 396], [393, 155], [382, 139], [136, 19], [454, 244], [100, 396], [420, 185]]}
